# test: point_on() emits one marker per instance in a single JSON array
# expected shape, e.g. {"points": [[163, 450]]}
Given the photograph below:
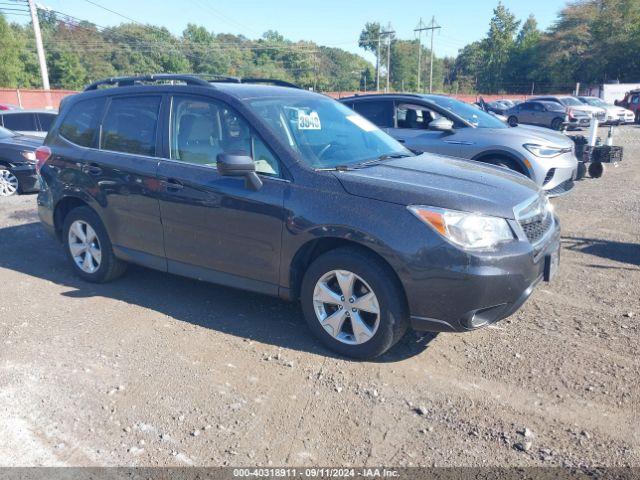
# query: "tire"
{"points": [[556, 124], [374, 274], [638, 117], [513, 121], [9, 183], [105, 268]]}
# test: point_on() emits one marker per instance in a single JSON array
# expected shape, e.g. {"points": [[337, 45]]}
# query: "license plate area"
{"points": [[551, 263]]}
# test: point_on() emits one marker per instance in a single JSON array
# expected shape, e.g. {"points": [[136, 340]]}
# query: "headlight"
{"points": [[543, 150], [467, 230], [30, 156]]}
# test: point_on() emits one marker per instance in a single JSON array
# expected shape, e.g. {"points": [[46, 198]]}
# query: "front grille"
{"points": [[564, 187], [537, 227], [549, 176], [535, 218]]}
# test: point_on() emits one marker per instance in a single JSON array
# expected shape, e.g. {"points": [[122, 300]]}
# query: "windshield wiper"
{"points": [[367, 163]]}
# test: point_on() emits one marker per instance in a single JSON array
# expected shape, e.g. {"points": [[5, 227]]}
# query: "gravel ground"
{"points": [[155, 369]]}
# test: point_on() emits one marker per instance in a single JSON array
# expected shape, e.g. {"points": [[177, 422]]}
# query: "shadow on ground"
{"points": [[28, 249], [618, 251]]}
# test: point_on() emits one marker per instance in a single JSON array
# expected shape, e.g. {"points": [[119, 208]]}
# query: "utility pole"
{"points": [[420, 28], [38, 35], [387, 34], [433, 27], [378, 64]]}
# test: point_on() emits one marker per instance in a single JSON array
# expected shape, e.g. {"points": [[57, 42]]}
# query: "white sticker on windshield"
{"points": [[362, 122], [309, 122]]}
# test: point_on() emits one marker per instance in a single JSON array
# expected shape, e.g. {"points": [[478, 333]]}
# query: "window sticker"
{"points": [[362, 122], [309, 122]]}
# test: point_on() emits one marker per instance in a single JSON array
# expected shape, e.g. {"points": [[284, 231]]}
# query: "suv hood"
{"points": [[23, 141], [440, 181]]}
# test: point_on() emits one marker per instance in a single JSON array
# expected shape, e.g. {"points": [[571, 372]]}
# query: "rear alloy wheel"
{"points": [[88, 247], [353, 303], [9, 184], [556, 124], [513, 121]]}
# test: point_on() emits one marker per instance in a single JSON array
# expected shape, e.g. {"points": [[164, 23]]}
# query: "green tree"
{"points": [[11, 70], [499, 43]]}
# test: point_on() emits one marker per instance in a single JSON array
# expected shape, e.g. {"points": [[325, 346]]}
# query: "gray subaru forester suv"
{"points": [[441, 124]]}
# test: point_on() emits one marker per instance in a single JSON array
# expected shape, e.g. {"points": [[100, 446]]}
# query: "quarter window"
{"points": [[201, 129], [79, 125], [130, 125]]}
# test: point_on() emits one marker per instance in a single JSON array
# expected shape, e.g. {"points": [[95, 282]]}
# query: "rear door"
{"points": [[123, 169], [525, 113], [216, 228]]}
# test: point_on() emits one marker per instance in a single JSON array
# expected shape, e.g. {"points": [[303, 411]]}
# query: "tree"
{"points": [[11, 72], [499, 43]]}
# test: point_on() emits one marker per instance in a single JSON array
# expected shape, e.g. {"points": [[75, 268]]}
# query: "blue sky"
{"points": [[335, 23]]}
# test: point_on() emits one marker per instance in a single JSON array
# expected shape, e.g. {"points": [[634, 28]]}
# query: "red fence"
{"points": [[27, 98]]}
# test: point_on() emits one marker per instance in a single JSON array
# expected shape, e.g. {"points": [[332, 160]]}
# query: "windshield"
{"points": [[6, 133], [596, 102], [571, 102], [472, 115], [325, 133]]}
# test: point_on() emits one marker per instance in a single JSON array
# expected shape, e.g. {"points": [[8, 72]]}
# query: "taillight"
{"points": [[42, 155]]}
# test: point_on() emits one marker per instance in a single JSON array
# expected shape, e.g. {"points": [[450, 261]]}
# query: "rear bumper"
{"points": [[494, 286], [26, 175]]}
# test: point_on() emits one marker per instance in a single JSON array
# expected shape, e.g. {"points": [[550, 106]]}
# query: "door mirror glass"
{"points": [[441, 125], [239, 165]]}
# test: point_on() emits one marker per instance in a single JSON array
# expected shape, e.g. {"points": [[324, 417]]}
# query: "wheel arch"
{"points": [[493, 154], [309, 251], [62, 209]]}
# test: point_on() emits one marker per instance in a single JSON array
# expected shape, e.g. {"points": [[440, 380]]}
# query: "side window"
{"points": [[635, 99], [526, 107], [201, 129], [80, 123], [130, 125], [537, 107], [379, 113], [414, 117], [21, 121], [46, 120]]}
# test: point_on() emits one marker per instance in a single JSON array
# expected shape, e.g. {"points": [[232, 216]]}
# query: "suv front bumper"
{"points": [[493, 286]]}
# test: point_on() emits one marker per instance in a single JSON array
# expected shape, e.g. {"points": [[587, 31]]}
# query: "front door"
{"points": [[412, 130], [215, 228]]}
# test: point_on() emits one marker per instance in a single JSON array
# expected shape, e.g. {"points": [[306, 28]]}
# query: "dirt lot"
{"points": [[155, 369]]}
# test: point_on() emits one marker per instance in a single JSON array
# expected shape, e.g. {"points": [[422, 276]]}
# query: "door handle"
{"points": [[91, 169], [401, 140], [172, 185]]}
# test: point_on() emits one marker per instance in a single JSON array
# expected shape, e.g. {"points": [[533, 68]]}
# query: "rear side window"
{"points": [[130, 125], [79, 125], [379, 113], [526, 106], [46, 120], [20, 121]]}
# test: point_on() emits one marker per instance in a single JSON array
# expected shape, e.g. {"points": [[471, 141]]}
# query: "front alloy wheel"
{"points": [[8, 183], [346, 307], [84, 246]]}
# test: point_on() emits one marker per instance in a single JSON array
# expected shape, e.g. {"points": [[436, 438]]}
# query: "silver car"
{"points": [[547, 114], [615, 115], [440, 124]]}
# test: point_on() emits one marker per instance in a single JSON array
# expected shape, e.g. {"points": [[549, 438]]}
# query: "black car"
{"points": [[286, 192], [17, 163]]}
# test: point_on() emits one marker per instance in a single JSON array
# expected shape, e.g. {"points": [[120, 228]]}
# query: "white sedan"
{"points": [[614, 114]]}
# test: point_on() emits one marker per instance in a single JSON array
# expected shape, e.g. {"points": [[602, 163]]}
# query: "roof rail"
{"points": [[228, 79], [162, 77]]}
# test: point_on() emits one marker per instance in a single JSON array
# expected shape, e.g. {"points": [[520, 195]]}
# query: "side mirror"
{"points": [[441, 125], [239, 165]]}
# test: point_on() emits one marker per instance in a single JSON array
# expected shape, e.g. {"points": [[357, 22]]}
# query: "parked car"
{"points": [[17, 163], [547, 114], [440, 124], [9, 106], [287, 192], [614, 115], [28, 122], [631, 101], [574, 105], [499, 107]]}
